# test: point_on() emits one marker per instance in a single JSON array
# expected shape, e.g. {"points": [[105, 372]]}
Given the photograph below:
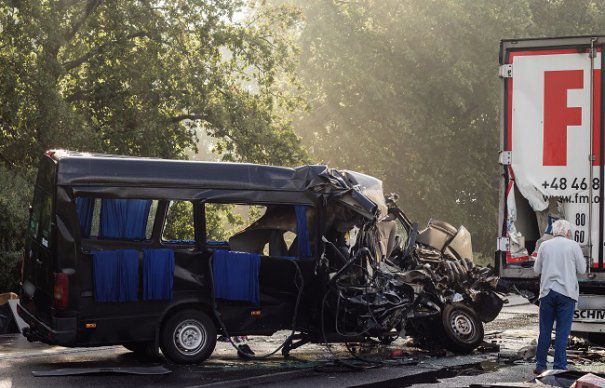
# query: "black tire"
{"points": [[462, 329], [143, 349], [188, 337]]}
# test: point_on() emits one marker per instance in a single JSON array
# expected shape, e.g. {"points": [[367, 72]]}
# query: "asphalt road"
{"points": [[515, 328]]}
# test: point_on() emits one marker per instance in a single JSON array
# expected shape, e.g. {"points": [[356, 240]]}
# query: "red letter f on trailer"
{"points": [[557, 115]]}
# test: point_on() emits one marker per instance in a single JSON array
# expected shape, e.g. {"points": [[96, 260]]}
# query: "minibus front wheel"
{"points": [[189, 337], [462, 328]]}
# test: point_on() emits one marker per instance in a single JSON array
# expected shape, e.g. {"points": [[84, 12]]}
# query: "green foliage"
{"points": [[9, 276], [179, 222], [15, 195], [225, 220], [407, 90], [222, 221], [140, 77]]}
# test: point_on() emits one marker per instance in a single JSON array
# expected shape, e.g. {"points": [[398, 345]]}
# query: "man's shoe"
{"points": [[539, 371]]}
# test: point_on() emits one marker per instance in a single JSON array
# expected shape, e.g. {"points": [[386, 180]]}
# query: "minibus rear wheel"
{"points": [[188, 337]]}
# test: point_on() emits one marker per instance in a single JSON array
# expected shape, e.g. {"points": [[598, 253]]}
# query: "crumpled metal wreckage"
{"points": [[390, 278]]}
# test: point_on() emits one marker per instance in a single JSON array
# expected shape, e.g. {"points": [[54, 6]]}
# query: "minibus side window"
{"points": [[34, 219], [40, 220], [127, 219], [179, 226], [151, 219], [96, 218], [224, 220], [269, 230]]}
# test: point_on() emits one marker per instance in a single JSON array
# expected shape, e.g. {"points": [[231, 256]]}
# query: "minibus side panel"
{"points": [[138, 321]]}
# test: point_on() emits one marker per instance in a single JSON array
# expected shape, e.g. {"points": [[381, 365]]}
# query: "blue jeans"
{"points": [[559, 308]]}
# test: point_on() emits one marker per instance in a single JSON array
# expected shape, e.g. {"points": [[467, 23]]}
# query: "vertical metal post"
{"points": [[591, 156], [601, 145]]}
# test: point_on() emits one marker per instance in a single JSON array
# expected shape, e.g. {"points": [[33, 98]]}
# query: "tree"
{"points": [[406, 90], [14, 193], [140, 77]]}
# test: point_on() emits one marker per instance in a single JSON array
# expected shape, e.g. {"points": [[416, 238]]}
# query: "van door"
{"points": [[551, 137], [272, 232], [38, 259]]}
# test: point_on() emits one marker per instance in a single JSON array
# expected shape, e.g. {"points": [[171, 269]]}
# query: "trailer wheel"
{"points": [[189, 337], [462, 329]]}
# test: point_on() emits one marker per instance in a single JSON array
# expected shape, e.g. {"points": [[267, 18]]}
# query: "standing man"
{"points": [[559, 260]]}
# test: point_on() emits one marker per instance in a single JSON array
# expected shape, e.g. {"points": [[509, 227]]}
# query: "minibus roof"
{"points": [[79, 169], [83, 169]]}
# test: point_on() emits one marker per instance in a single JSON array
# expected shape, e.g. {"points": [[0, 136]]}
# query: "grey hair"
{"points": [[561, 228]]}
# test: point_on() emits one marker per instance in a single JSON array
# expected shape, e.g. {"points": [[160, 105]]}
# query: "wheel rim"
{"points": [[190, 337], [462, 325]]}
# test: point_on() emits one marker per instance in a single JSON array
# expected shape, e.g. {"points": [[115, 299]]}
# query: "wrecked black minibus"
{"points": [[154, 253]]}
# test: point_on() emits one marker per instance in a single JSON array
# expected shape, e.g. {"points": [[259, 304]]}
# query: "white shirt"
{"points": [[558, 261]]}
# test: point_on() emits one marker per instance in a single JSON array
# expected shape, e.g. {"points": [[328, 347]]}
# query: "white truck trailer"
{"points": [[552, 135]]}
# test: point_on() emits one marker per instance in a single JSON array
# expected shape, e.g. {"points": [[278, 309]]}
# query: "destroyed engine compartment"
{"points": [[387, 278]]}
